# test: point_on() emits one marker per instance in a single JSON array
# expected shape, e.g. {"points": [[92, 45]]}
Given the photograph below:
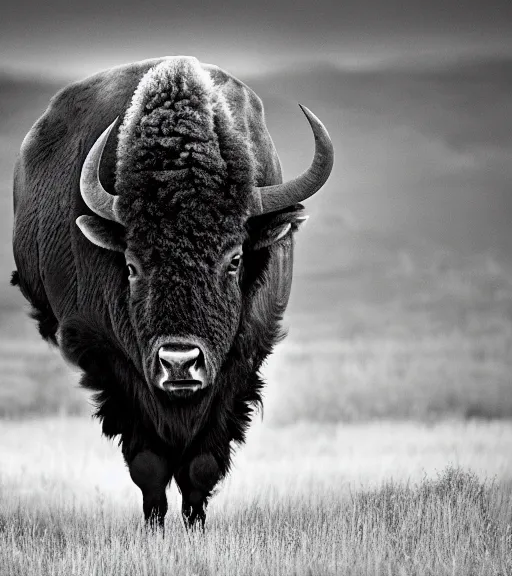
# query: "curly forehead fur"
{"points": [[181, 160]]}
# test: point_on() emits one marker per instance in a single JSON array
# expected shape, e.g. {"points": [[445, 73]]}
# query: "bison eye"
{"points": [[132, 271], [235, 264]]}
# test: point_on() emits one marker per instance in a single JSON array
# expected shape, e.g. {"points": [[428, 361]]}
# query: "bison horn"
{"points": [[278, 196], [95, 196]]}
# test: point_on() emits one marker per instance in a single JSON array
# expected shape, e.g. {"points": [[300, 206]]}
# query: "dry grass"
{"points": [[454, 525], [305, 499]]}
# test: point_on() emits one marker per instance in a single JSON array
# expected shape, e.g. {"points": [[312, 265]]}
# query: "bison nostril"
{"points": [[180, 362], [165, 363]]}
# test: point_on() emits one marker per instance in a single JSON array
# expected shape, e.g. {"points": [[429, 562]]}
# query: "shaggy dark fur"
{"points": [[184, 173], [184, 177]]}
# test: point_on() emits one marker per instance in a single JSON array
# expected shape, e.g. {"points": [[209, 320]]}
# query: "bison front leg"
{"points": [[196, 480], [151, 473]]}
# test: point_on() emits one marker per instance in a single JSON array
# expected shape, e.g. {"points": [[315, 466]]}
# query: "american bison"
{"points": [[153, 237]]}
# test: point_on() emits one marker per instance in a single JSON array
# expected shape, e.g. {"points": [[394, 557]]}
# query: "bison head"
{"points": [[183, 216]]}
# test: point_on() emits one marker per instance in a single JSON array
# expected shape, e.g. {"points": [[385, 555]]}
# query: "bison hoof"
{"points": [[193, 518], [155, 524]]}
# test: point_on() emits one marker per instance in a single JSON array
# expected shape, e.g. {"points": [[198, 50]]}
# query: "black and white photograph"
{"points": [[256, 288]]}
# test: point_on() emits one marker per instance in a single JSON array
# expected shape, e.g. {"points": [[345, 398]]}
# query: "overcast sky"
{"points": [[416, 94], [69, 38]]}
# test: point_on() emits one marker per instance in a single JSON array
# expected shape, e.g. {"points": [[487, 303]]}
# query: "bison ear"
{"points": [[103, 233], [272, 235], [299, 221], [277, 230]]}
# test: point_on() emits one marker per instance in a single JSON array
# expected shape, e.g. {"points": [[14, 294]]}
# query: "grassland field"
{"points": [[380, 498], [384, 448]]}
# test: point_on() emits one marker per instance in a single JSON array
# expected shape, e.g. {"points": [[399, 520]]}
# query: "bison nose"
{"points": [[181, 364]]}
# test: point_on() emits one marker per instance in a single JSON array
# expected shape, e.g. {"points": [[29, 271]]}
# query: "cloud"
{"points": [[464, 104], [423, 151]]}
